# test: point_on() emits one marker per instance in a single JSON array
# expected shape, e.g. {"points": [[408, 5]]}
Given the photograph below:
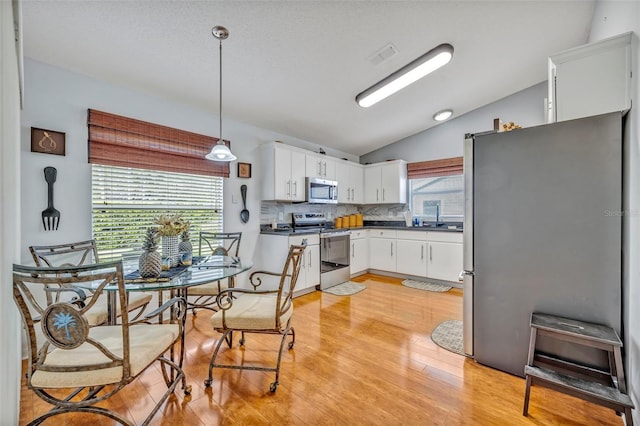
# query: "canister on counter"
{"points": [[352, 221], [359, 220], [338, 222]]}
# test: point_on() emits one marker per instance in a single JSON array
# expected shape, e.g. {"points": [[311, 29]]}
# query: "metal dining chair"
{"points": [[81, 253], [74, 364], [216, 244], [259, 311]]}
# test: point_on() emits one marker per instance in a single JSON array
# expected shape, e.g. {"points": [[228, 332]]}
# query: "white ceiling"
{"points": [[295, 67]]}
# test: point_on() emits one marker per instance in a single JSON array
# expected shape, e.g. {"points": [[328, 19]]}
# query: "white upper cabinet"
{"points": [[284, 173], [385, 183], [320, 166], [591, 79], [350, 180]]}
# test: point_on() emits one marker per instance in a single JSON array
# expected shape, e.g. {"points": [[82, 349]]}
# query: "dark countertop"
{"points": [[266, 229]]}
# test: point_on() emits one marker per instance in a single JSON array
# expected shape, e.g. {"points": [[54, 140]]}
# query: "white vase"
{"points": [[170, 249]]}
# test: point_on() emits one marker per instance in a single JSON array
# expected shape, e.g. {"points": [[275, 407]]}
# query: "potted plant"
{"points": [[169, 228]]}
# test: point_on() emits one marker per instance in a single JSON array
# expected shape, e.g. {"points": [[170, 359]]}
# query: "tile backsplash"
{"points": [[271, 211]]}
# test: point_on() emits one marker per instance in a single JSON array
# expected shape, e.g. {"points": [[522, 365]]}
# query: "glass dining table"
{"points": [[203, 270]]}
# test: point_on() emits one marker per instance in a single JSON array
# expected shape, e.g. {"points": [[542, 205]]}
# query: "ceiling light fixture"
{"points": [[220, 152], [410, 73], [442, 115]]}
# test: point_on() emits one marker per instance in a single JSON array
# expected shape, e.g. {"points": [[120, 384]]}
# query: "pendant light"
{"points": [[220, 152]]}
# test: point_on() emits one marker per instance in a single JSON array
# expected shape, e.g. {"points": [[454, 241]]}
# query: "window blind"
{"points": [[444, 167], [121, 141], [125, 202]]}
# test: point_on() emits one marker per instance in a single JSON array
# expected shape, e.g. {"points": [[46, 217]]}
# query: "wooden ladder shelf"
{"points": [[583, 381]]}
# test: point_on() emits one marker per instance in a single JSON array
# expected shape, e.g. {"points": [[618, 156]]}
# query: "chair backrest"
{"points": [[71, 254], [219, 243], [57, 323], [288, 279]]}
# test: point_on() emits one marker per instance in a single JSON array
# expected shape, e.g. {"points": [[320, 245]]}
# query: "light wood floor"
{"points": [[367, 359]]}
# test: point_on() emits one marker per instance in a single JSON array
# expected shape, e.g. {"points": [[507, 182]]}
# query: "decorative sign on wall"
{"points": [[244, 170], [47, 141]]}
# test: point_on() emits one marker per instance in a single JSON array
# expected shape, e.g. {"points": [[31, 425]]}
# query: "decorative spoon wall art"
{"points": [[50, 215]]}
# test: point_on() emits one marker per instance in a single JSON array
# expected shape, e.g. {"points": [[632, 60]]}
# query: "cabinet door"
{"points": [[445, 260], [297, 176], [312, 264], [313, 166], [393, 180], [282, 170], [343, 177], [359, 255], [592, 79], [382, 254], [328, 169], [372, 190], [412, 257], [357, 184]]}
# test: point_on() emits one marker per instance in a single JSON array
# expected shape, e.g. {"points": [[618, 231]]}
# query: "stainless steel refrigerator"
{"points": [[542, 233]]}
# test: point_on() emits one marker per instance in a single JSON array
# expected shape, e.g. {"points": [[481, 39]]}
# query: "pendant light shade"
{"points": [[220, 152]]}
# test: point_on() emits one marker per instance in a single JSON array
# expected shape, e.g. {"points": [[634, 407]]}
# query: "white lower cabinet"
{"points": [[382, 250], [444, 256], [412, 253], [275, 249], [359, 251]]}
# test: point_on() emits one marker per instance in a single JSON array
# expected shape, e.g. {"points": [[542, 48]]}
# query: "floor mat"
{"points": [[345, 289], [424, 285], [448, 335]]}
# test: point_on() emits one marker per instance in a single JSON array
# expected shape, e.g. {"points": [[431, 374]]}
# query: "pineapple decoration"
{"points": [[150, 262], [185, 248]]}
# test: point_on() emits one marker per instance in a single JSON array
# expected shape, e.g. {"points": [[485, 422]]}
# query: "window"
{"points": [[125, 201], [436, 190], [438, 198]]}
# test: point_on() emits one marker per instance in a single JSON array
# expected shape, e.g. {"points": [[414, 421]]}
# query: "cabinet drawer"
{"points": [[312, 239], [358, 235], [412, 235], [445, 237], [382, 233]]}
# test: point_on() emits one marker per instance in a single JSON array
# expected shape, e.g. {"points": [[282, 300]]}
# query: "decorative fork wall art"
{"points": [[50, 215]]}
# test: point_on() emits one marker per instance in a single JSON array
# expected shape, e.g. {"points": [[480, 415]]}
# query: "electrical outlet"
{"points": [[280, 216]]}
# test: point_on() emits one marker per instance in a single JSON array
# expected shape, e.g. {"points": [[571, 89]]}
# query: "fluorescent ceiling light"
{"points": [[410, 73], [443, 115]]}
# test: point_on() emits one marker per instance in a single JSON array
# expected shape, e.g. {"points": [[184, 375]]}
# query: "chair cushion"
{"points": [[147, 343], [208, 289], [98, 312], [251, 312]]}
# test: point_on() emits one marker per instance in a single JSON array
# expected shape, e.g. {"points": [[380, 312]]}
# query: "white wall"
{"points": [[612, 18], [58, 99], [445, 140], [10, 364]]}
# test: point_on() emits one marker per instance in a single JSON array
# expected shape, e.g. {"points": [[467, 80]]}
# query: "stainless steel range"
{"points": [[334, 248]]}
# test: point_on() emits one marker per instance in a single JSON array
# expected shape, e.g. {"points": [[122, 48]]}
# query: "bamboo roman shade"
{"points": [[434, 168], [115, 140]]}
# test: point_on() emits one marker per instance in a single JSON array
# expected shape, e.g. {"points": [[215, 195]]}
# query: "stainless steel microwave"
{"points": [[322, 191]]}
